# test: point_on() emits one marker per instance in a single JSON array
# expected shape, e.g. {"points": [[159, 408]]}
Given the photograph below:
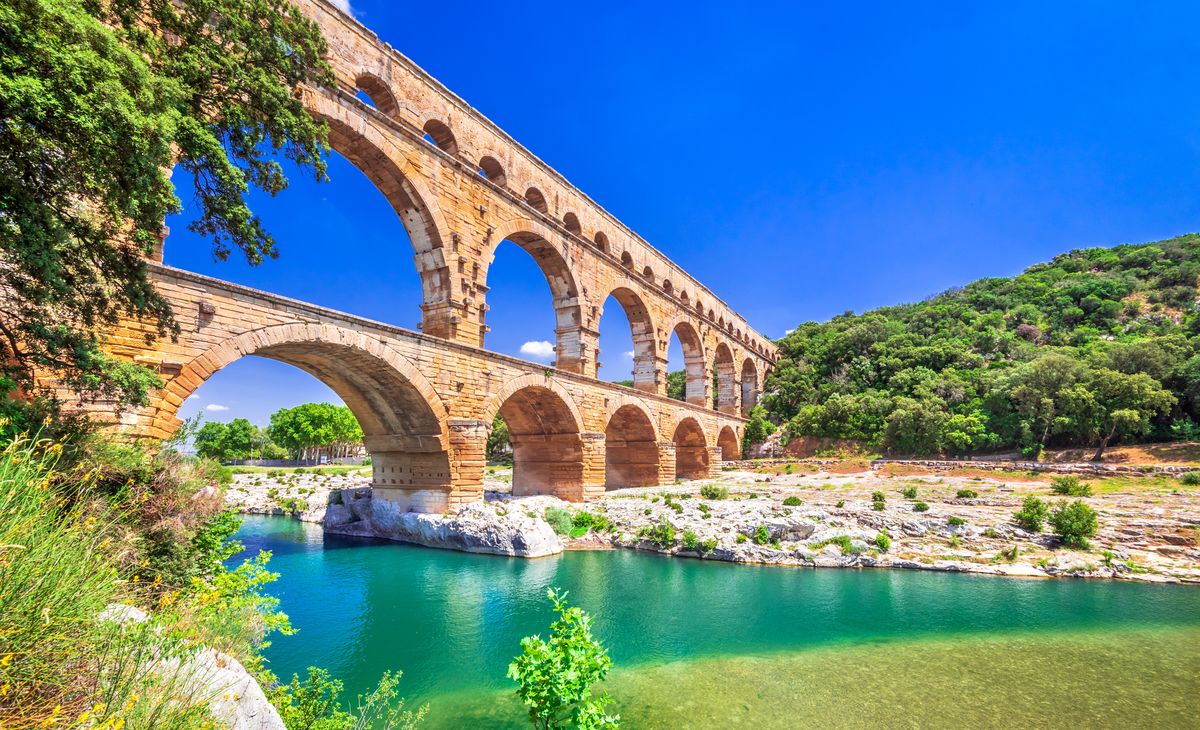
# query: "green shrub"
{"points": [[762, 535], [966, 494], [840, 503], [707, 546], [314, 703], [920, 507], [954, 521], [883, 541], [713, 491], [1070, 486], [991, 532], [1074, 523], [560, 520], [691, 541], [878, 497], [909, 492], [793, 501], [1032, 514], [555, 677], [740, 539], [584, 520], [843, 542], [1010, 554], [1190, 478], [878, 505], [662, 534]]}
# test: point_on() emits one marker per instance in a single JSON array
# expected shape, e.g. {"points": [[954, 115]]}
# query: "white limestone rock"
{"points": [[475, 528]]}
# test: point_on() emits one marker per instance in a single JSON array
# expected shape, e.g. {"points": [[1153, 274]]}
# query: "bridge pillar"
{"points": [[468, 443], [449, 320], [594, 451], [715, 457], [632, 463], [416, 482], [666, 462], [577, 348]]}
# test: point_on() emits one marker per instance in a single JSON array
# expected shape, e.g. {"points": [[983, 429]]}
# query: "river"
{"points": [[711, 645]]}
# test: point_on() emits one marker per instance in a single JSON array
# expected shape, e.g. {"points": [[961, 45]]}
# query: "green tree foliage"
{"points": [[238, 439], [677, 384], [100, 101], [498, 444], [555, 677], [758, 428], [1092, 348], [314, 705], [312, 430]]}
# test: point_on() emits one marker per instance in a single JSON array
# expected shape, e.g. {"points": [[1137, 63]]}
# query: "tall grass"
{"points": [[59, 663]]}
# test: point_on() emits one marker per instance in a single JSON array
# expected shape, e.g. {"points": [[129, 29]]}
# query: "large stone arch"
{"points": [[727, 441], [536, 239], [642, 327], [546, 432], [692, 457], [403, 419], [357, 139], [631, 451]]}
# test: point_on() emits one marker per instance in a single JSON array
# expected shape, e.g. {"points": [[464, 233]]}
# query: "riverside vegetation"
{"points": [[1097, 346]]}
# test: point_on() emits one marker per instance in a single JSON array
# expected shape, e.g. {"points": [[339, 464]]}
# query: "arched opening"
{"points": [[728, 441], [627, 341], [602, 241], [358, 209], [571, 221], [687, 378], [749, 386], [626, 260], [547, 448], [710, 314], [691, 451], [631, 450], [726, 381], [516, 320], [391, 400], [440, 135], [534, 197], [668, 287], [683, 297], [374, 92], [490, 168], [648, 274]]}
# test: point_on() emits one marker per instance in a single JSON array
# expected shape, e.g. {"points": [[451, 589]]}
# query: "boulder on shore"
{"points": [[474, 528]]}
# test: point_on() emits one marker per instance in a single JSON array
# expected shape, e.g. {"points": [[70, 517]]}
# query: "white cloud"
{"points": [[215, 407], [538, 349], [193, 396], [629, 355], [343, 5]]}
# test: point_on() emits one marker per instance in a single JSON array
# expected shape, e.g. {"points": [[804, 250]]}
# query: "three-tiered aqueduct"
{"points": [[427, 399]]}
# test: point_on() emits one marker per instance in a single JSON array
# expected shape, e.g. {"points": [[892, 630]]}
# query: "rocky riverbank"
{"points": [[792, 514]]}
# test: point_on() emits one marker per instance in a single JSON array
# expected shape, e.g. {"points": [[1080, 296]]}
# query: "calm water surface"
{"points": [[708, 644]]}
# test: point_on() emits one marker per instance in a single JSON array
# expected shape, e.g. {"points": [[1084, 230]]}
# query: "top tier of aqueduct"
{"points": [[461, 185]]}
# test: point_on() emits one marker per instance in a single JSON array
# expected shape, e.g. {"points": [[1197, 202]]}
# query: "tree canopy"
{"points": [[313, 429], [1092, 347], [99, 101]]}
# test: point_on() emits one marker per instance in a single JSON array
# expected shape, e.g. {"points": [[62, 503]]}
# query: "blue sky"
{"points": [[801, 159]]}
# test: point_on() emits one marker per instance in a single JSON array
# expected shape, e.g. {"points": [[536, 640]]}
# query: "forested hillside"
{"points": [[1097, 346]]}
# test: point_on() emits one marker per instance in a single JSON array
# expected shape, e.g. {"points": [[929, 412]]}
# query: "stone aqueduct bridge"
{"points": [[426, 399]]}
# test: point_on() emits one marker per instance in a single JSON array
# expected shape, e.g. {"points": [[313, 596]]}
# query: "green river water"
{"points": [[703, 644]]}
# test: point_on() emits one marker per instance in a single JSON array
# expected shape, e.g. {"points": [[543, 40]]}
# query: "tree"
{"points": [[498, 444], [758, 428], [677, 384], [1118, 404], [555, 678], [1074, 523], [100, 101], [311, 430]]}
